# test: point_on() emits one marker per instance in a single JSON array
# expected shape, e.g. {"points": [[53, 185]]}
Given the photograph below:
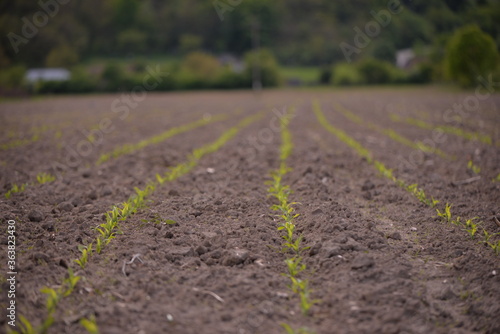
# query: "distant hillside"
{"points": [[298, 32]]}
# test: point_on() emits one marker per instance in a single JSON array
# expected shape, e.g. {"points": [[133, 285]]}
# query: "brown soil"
{"points": [[379, 262]]}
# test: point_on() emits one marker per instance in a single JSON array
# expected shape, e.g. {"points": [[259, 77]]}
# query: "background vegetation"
{"points": [[108, 44]]}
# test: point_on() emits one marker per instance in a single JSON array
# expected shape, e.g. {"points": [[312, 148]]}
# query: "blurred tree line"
{"points": [[297, 32]]}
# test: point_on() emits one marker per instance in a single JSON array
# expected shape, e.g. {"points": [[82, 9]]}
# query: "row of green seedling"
{"points": [[109, 229], [413, 189], [367, 155], [19, 142], [286, 212], [405, 141], [471, 227], [418, 145], [469, 135], [41, 178], [131, 148]]}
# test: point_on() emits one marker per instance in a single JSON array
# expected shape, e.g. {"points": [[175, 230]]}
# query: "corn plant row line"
{"points": [[292, 243], [125, 149], [452, 130], [130, 148], [413, 189], [19, 142], [469, 135], [41, 178], [418, 145], [471, 227], [107, 231]]}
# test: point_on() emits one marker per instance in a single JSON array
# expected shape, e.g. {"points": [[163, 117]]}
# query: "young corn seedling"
{"points": [[44, 178], [474, 168], [446, 214], [90, 325], [301, 287], [84, 257], [15, 189], [294, 266], [494, 245], [457, 221], [471, 227], [301, 330], [294, 245], [420, 194]]}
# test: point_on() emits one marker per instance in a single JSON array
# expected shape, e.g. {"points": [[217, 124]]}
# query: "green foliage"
{"points": [[62, 56], [132, 40], [198, 70], [264, 61], [189, 43], [12, 77], [375, 71], [470, 53], [344, 74], [127, 27], [112, 76]]}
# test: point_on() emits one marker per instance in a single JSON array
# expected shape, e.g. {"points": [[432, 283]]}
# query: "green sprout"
{"points": [[474, 168], [15, 189], [446, 214], [90, 325], [301, 330], [44, 178], [471, 227]]}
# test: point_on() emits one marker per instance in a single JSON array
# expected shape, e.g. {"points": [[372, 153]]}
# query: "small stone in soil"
{"points": [[35, 215], [173, 192], [235, 257], [106, 191], [395, 236], [200, 250], [368, 185], [66, 206], [49, 226], [363, 261]]}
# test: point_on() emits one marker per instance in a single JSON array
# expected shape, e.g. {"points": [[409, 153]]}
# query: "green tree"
{"points": [[263, 61], [470, 53], [62, 56]]}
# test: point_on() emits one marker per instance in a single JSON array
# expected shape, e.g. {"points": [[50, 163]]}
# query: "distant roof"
{"points": [[404, 57], [47, 74]]}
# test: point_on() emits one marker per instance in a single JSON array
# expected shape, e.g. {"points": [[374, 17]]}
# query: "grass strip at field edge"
{"points": [[412, 188], [107, 231]]}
